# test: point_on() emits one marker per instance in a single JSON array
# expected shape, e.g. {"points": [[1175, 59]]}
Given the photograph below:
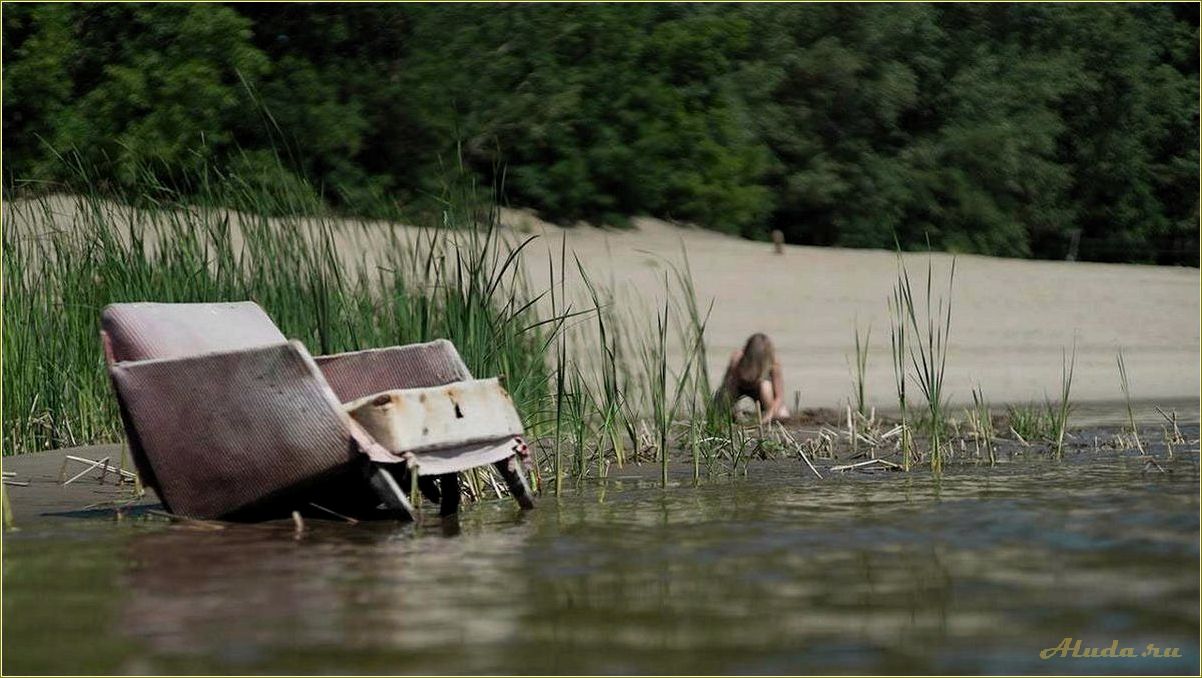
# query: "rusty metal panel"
{"points": [[422, 419], [464, 457]]}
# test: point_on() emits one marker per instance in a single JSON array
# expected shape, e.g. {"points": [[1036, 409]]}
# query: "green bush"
{"points": [[1005, 129]]}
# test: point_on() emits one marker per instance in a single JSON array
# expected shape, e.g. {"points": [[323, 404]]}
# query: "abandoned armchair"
{"points": [[226, 418]]}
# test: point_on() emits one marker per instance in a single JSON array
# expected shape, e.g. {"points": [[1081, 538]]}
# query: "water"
{"points": [[774, 573]]}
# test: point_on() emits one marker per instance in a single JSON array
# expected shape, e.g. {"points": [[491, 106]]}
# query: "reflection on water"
{"points": [[775, 573]]}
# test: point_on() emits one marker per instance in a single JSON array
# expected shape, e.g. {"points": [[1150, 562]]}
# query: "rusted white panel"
{"points": [[464, 413]]}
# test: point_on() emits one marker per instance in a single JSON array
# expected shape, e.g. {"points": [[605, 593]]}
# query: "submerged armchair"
{"points": [[226, 418]]}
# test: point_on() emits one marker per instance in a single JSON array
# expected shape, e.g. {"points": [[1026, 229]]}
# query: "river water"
{"points": [[776, 572]]}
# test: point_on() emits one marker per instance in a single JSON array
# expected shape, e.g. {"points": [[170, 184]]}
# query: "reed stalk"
{"points": [[1127, 399], [1061, 413], [897, 346], [860, 369], [984, 422]]}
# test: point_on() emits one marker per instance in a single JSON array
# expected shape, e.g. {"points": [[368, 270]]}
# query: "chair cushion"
{"points": [[362, 373], [147, 331]]}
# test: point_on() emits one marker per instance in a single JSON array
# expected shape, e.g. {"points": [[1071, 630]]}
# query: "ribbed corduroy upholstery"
{"points": [[226, 431], [145, 331], [363, 373]]}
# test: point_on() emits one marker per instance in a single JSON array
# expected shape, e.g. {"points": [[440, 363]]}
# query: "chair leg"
{"points": [[448, 486], [515, 479], [429, 489], [389, 492]]}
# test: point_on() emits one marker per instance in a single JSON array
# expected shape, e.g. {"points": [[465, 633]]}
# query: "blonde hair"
{"points": [[757, 360]]}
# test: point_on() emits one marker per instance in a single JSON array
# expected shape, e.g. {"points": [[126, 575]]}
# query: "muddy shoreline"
{"points": [[811, 442]]}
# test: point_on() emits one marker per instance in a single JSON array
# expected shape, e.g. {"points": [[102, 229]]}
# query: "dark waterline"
{"points": [[772, 573]]}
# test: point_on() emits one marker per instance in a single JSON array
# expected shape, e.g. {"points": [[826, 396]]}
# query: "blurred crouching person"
{"points": [[754, 372]]}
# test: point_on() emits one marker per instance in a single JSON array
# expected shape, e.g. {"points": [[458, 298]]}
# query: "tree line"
{"points": [[1024, 130]]}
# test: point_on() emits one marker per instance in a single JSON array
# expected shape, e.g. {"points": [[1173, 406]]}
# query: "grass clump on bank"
{"points": [[926, 351]]}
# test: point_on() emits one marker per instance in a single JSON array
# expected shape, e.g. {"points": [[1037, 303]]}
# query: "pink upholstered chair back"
{"points": [[146, 331]]}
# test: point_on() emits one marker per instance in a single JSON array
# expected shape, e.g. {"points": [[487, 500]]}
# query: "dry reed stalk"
{"points": [[93, 465], [1020, 438], [800, 451], [863, 464], [1177, 438], [7, 509], [347, 519], [110, 468]]}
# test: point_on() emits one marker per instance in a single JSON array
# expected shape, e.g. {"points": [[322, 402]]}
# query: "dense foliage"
{"points": [[997, 128]]}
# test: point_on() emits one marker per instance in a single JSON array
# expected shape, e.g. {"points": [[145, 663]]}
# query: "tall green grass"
{"points": [[1030, 421], [462, 284]]}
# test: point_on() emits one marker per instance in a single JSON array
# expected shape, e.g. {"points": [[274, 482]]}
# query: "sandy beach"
{"points": [[1011, 318]]}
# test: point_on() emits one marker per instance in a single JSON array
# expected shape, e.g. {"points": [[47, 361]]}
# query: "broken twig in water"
{"points": [[193, 522], [1020, 438], [863, 464], [93, 465], [800, 450], [130, 475], [116, 504], [1172, 419], [1150, 462]]}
